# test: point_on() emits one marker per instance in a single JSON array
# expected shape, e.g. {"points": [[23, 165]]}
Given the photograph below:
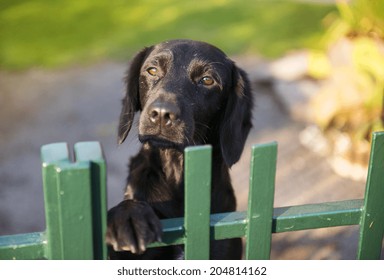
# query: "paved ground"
{"points": [[81, 104]]}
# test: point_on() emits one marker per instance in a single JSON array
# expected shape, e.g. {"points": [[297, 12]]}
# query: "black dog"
{"points": [[189, 93]]}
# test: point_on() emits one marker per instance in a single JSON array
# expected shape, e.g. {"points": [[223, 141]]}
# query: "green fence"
{"points": [[75, 206]]}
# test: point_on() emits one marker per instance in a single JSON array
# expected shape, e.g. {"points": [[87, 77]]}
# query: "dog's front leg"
{"points": [[132, 225]]}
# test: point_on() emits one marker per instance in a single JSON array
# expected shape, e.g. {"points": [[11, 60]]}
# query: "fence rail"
{"points": [[75, 205]]}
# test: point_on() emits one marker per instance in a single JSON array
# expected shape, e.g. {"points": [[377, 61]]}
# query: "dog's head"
{"points": [[189, 93]]}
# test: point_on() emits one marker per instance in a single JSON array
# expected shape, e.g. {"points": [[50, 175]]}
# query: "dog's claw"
{"points": [[122, 236]]}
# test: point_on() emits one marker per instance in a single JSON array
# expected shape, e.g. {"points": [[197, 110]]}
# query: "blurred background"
{"points": [[317, 69]]}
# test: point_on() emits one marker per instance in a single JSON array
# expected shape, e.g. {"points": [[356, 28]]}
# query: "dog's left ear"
{"points": [[237, 120]]}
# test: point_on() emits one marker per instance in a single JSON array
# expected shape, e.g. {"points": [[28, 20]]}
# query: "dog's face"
{"points": [[180, 89], [189, 93]]}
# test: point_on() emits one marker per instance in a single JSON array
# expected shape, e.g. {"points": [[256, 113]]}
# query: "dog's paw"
{"points": [[132, 225]]}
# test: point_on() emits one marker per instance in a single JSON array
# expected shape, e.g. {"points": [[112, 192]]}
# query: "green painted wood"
{"points": [[260, 201], [173, 233], [75, 210], [285, 219], [75, 200], [75, 206], [372, 222], [92, 152], [68, 201], [228, 225], [197, 202], [51, 155], [313, 216], [29, 246]]}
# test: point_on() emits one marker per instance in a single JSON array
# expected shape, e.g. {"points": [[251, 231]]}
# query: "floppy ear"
{"points": [[131, 101], [237, 120]]}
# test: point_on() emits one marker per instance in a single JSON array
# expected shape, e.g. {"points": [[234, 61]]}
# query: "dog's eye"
{"points": [[152, 71], [207, 81]]}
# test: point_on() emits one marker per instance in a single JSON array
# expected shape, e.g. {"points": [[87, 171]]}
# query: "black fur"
{"points": [[189, 93]]}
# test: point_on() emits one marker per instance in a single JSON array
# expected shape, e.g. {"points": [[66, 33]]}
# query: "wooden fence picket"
{"points": [[75, 207]]}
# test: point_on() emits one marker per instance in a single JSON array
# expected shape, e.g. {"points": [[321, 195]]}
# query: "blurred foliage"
{"points": [[359, 18], [51, 33], [352, 67]]}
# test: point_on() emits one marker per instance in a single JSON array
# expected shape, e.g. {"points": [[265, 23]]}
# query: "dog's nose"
{"points": [[163, 113]]}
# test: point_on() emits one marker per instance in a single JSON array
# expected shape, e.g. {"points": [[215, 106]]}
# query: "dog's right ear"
{"points": [[131, 101]]}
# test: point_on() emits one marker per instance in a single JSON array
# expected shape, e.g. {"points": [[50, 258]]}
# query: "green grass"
{"points": [[54, 33]]}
